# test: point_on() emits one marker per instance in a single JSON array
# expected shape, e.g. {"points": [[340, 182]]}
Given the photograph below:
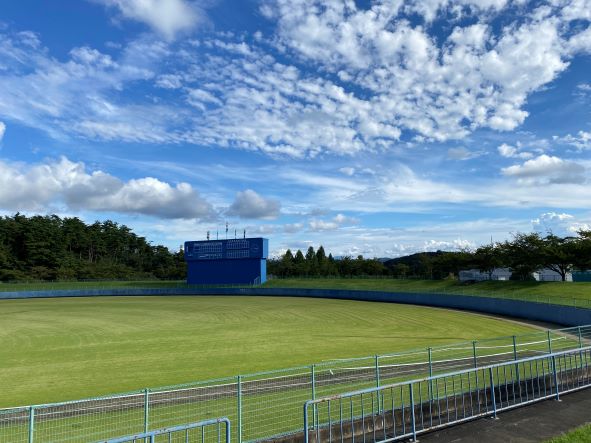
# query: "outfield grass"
{"points": [[61, 349], [579, 435]]}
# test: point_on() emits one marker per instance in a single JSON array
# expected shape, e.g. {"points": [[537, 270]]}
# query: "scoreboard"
{"points": [[234, 261]]}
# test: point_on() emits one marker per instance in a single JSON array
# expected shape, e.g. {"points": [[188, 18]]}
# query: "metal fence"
{"points": [[266, 404], [208, 431], [404, 410]]}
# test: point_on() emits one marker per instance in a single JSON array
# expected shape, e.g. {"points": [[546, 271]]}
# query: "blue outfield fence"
{"points": [[268, 404], [401, 411]]}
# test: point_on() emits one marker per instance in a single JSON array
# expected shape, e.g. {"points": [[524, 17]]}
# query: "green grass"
{"points": [[579, 435], [551, 292], [61, 349]]}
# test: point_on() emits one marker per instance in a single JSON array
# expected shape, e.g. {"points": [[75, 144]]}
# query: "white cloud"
{"points": [[167, 17], [292, 228], [67, 184], [462, 153], [546, 169], [249, 204], [329, 225], [372, 77], [322, 225], [509, 151], [561, 224], [2, 130], [347, 171], [580, 141], [169, 81]]}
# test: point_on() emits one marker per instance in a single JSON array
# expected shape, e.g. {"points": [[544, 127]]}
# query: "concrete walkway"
{"points": [[531, 424]]}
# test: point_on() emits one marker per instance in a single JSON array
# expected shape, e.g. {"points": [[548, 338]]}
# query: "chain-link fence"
{"points": [[266, 404]]}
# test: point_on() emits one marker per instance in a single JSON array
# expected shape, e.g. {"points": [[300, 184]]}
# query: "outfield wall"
{"points": [[551, 313]]}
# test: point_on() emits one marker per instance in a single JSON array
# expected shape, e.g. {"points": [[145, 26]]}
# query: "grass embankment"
{"points": [[61, 349], [99, 284], [568, 293], [579, 435]]}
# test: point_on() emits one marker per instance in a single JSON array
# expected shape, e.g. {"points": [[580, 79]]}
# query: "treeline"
{"points": [[54, 248], [317, 263], [523, 255]]}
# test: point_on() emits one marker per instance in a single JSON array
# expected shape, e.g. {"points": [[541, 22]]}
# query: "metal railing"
{"points": [[266, 404], [404, 410], [194, 432]]}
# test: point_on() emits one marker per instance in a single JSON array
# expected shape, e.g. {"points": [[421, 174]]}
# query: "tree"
{"points": [[523, 255], [487, 258], [559, 254], [311, 262], [582, 247]]}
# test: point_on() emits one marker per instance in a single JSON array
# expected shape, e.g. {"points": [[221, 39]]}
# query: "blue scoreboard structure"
{"points": [[236, 261]]}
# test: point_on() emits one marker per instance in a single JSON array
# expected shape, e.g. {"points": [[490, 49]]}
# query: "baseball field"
{"points": [[61, 349]]}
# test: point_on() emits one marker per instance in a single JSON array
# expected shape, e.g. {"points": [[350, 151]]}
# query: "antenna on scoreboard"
{"points": [[226, 230], [207, 235], [235, 234], [217, 234], [244, 234]]}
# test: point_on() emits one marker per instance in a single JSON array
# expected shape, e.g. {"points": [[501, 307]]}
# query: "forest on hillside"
{"points": [[54, 248]]}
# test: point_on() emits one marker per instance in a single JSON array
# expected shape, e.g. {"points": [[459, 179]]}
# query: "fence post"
{"points": [[549, 342], [492, 392], [377, 359], [474, 353], [313, 374], [430, 352], [580, 338], [412, 413], [146, 409], [239, 382], [315, 408], [228, 431], [31, 424], [306, 423], [555, 378], [516, 364]]}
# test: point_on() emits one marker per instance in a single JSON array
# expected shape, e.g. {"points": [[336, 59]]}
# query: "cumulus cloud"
{"points": [[249, 204], [559, 224], [167, 17], [509, 151], [2, 130], [70, 185], [546, 169]]}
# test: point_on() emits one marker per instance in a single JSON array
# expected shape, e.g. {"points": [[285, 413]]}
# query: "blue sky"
{"points": [[372, 127]]}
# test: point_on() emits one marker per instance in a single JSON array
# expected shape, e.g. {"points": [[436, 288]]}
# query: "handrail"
{"points": [[447, 374], [466, 395], [170, 430]]}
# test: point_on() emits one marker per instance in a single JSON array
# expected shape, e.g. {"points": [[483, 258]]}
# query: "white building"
{"points": [[505, 274], [476, 275], [550, 275]]}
